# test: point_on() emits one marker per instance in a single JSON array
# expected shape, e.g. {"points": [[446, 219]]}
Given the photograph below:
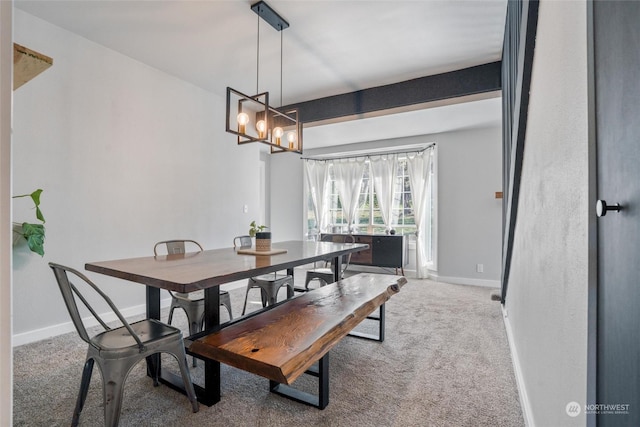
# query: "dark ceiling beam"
{"points": [[461, 83]]}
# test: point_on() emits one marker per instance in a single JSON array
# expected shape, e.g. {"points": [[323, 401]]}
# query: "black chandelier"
{"points": [[250, 117]]}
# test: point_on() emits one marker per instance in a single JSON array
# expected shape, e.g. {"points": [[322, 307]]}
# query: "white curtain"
{"points": [[317, 177], [420, 166], [383, 173], [348, 177]]}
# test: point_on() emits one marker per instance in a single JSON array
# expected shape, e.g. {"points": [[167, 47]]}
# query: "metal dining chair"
{"points": [[192, 303], [325, 274], [269, 284], [117, 350]]}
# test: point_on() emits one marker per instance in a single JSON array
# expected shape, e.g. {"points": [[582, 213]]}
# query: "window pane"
{"points": [[364, 213]]}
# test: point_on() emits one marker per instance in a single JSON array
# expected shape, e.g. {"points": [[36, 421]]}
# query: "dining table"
{"points": [[207, 270]]}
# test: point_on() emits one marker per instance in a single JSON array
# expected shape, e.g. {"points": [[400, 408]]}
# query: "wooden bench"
{"points": [[286, 340]]}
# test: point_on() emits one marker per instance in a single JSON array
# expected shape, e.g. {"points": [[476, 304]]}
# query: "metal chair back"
{"points": [[177, 246], [242, 242], [70, 293]]}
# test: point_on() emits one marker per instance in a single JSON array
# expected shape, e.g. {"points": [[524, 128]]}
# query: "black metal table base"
{"points": [[321, 400], [174, 381], [372, 337]]}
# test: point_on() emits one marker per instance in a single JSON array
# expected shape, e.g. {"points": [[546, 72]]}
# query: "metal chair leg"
{"points": [[225, 300], [246, 297], [181, 357], [153, 369], [173, 307], [114, 374], [84, 388]]}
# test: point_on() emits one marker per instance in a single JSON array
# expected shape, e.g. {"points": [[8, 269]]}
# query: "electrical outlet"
{"points": [[245, 209], [480, 268]]}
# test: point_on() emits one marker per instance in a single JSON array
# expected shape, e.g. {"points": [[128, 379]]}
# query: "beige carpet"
{"points": [[445, 362]]}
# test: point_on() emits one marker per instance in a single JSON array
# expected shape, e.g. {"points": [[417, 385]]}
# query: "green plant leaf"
{"points": [[34, 233], [35, 196], [253, 228]]}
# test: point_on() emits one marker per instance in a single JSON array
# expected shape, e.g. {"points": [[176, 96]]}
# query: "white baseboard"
{"points": [[63, 328], [525, 404], [465, 281]]}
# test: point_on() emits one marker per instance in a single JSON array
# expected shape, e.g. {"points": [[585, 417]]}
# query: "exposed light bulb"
{"points": [[243, 119], [291, 137], [277, 134], [261, 127]]}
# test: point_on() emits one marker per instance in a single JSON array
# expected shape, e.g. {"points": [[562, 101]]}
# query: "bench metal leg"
{"points": [[321, 400], [380, 336]]}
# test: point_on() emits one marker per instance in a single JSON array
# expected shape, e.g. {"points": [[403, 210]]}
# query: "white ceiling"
{"points": [[331, 46]]}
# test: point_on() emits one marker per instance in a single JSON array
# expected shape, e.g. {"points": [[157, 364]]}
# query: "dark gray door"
{"points": [[616, 26]]}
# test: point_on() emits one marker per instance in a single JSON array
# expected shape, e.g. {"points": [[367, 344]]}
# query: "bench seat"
{"points": [[284, 342]]}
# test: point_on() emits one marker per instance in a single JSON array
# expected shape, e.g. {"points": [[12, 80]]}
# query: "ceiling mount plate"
{"points": [[271, 16]]}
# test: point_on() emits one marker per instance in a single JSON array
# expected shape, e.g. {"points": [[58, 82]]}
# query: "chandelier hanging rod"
{"points": [[265, 12]]}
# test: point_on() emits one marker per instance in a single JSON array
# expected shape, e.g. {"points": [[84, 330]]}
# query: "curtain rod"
{"points": [[353, 156]]}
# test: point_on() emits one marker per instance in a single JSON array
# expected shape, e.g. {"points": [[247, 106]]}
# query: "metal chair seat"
{"points": [[121, 342], [193, 305], [269, 285], [117, 350], [324, 275]]}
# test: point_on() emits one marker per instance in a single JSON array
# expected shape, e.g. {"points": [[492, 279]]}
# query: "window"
{"points": [[369, 215], [368, 212], [403, 204], [336, 214]]}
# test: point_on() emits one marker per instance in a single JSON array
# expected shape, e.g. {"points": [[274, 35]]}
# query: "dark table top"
{"points": [[200, 270]]}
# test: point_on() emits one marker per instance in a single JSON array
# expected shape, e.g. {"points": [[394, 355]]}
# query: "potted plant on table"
{"points": [[263, 238]]}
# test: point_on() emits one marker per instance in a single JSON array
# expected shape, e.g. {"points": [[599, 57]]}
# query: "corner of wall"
{"points": [[6, 94]]}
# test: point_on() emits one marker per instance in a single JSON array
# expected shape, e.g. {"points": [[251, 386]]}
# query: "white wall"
{"points": [[6, 88], [469, 216], [287, 203], [547, 295], [127, 156]]}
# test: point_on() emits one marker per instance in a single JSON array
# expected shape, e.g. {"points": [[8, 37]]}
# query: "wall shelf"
{"points": [[27, 64]]}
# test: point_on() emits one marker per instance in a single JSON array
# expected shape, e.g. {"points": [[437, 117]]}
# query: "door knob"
{"points": [[602, 208]]}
